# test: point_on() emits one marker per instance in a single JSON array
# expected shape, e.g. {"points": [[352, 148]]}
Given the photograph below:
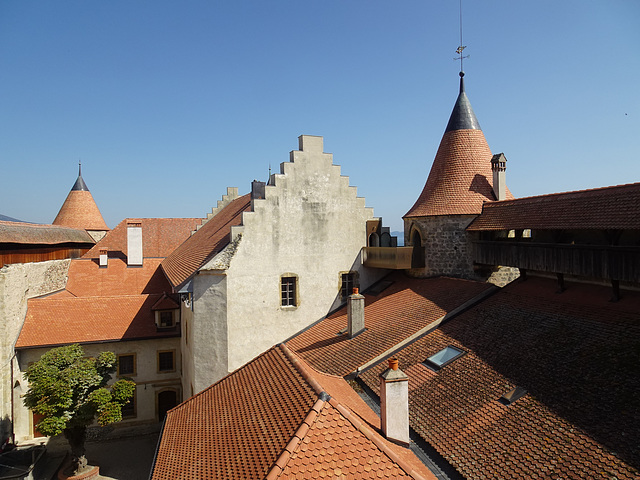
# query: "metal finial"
{"points": [[461, 47], [79, 168]]}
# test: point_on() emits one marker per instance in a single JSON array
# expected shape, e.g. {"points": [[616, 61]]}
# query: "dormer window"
{"points": [[165, 318], [167, 312], [444, 357]]}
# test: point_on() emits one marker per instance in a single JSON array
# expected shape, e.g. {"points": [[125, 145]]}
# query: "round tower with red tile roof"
{"points": [[80, 211], [459, 182]]}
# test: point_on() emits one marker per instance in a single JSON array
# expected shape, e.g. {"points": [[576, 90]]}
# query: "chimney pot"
{"points": [[393, 363]]}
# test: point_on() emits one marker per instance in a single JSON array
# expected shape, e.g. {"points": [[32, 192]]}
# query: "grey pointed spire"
{"points": [[462, 117], [80, 185]]}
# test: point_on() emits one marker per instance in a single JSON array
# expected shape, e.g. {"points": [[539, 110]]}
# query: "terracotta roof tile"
{"points": [[160, 236], [242, 423], [79, 210], [601, 208], [460, 180], [60, 320], [401, 310], [87, 278], [577, 355], [210, 239], [35, 234]]}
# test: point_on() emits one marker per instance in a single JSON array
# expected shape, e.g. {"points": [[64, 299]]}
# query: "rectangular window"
{"points": [[166, 319], [288, 291], [127, 364], [347, 283], [129, 410], [167, 361]]}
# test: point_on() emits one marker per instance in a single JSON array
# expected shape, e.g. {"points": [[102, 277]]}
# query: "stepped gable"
{"points": [[79, 210], [460, 180], [209, 240], [276, 418], [612, 208]]}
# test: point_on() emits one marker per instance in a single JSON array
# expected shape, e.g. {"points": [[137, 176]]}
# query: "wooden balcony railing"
{"points": [[394, 258], [600, 261]]}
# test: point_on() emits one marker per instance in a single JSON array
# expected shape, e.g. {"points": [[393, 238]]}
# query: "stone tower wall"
{"points": [[447, 245]]}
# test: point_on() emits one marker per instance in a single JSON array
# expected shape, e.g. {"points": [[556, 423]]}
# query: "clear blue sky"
{"points": [[169, 102]]}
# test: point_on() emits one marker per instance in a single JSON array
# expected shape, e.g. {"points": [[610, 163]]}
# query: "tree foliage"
{"points": [[70, 391]]}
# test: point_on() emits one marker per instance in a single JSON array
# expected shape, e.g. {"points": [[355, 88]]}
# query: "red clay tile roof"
{"points": [[166, 302], [578, 356], [209, 240], [61, 320], [237, 428], [601, 208], [34, 234], [160, 236], [87, 279], [460, 180], [79, 210], [266, 420], [401, 310]]}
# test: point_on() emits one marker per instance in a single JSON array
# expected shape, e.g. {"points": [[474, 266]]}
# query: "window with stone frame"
{"points": [[167, 361], [348, 281], [289, 290], [129, 410], [127, 364]]}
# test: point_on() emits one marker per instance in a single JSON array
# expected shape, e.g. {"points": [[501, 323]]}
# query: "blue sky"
{"points": [[167, 103]]}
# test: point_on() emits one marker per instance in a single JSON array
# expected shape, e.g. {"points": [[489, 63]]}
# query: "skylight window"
{"points": [[444, 357], [512, 395]]}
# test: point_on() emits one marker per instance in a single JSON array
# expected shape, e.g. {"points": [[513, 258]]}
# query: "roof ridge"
{"points": [[556, 194], [302, 370], [294, 443]]}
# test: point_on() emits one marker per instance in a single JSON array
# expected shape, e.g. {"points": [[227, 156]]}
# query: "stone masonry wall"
{"points": [[18, 283], [447, 246]]}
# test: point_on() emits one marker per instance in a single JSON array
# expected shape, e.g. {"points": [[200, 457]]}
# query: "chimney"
{"points": [[257, 190], [134, 243], [103, 257], [499, 168], [394, 404], [355, 313]]}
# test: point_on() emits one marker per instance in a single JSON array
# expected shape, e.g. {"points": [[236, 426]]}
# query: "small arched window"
{"points": [[374, 240], [417, 255]]}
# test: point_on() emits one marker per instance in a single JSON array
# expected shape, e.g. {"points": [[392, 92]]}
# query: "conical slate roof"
{"points": [[79, 210], [460, 180]]}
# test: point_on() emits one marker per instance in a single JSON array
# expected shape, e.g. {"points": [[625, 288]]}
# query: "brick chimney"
{"points": [[394, 404], [104, 255], [134, 244], [355, 313], [499, 168]]}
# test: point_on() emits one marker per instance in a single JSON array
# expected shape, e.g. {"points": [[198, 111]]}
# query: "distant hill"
{"points": [[4, 218], [400, 236]]}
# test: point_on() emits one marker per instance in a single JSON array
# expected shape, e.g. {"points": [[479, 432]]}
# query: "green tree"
{"points": [[70, 391]]}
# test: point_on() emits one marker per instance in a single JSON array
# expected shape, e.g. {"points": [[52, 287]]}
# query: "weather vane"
{"points": [[461, 48]]}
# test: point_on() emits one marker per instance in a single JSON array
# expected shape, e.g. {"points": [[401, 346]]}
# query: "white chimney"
{"points": [[355, 313], [104, 254], [394, 403], [499, 168], [134, 243]]}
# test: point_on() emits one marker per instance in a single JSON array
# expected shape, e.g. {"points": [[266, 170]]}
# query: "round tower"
{"points": [[80, 211], [459, 182]]}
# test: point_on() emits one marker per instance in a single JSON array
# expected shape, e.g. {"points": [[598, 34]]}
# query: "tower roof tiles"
{"points": [[460, 180], [79, 210]]}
